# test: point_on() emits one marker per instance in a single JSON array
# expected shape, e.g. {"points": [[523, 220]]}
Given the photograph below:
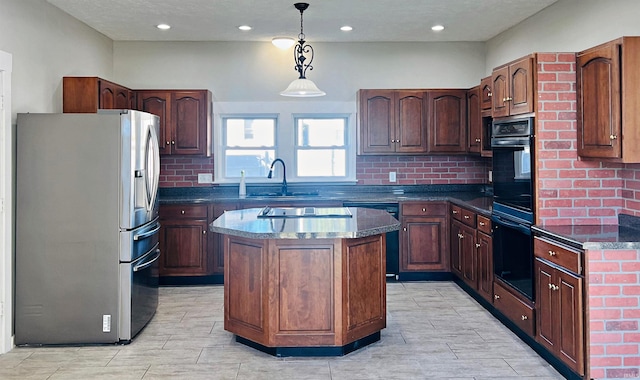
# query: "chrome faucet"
{"points": [[284, 174]]}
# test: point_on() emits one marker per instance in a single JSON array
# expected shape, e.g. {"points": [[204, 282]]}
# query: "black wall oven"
{"points": [[512, 215]]}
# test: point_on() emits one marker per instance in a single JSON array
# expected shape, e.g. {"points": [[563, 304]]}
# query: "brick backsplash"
{"points": [[614, 314], [370, 170], [572, 191]]}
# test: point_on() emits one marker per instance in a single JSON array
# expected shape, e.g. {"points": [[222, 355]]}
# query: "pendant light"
{"points": [[302, 87]]}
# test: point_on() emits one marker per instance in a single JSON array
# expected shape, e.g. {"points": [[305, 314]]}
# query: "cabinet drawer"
{"points": [[484, 224], [183, 211], [423, 208], [564, 257], [514, 308], [465, 216]]}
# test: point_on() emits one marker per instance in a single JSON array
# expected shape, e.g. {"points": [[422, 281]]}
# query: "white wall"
{"points": [[566, 26], [46, 45], [258, 71]]}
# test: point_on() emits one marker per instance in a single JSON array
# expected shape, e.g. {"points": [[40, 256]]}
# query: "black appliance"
{"points": [[393, 242], [512, 215]]}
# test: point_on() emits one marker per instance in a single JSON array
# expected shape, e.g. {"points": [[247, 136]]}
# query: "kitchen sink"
{"points": [[288, 194]]}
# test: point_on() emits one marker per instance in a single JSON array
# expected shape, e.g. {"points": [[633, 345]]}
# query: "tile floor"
{"points": [[434, 331]]}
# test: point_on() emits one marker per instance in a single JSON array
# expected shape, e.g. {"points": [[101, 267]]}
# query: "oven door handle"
{"points": [[517, 226]]}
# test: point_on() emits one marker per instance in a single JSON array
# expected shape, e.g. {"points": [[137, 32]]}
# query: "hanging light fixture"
{"points": [[302, 87]]}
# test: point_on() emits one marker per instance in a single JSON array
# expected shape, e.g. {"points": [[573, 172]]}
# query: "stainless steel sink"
{"points": [[288, 194]]}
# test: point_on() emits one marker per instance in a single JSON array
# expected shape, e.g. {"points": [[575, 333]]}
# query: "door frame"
{"points": [[6, 206]]}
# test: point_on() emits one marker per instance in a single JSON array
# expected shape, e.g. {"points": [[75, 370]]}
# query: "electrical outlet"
{"points": [[106, 323], [205, 178], [490, 176], [392, 176]]}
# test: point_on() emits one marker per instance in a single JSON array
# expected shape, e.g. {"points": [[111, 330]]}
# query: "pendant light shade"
{"points": [[302, 87]]}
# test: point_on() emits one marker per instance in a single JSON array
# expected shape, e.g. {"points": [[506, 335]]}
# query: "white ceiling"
{"points": [[372, 20]]}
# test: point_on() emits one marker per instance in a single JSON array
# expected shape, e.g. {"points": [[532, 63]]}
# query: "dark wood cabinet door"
{"points": [[484, 259], [106, 96], [189, 113], [377, 121], [569, 320], [468, 248], [545, 304], [184, 247], [521, 86], [447, 121], [499, 80], [598, 98], [485, 93], [411, 126], [456, 248], [424, 245], [159, 103], [474, 120], [217, 248]]}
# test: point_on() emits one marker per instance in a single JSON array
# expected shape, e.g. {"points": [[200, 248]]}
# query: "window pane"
{"points": [[321, 163], [254, 162], [320, 132], [250, 132]]}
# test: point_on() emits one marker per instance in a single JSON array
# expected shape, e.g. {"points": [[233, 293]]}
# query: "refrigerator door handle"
{"points": [[147, 264], [147, 234], [152, 166]]}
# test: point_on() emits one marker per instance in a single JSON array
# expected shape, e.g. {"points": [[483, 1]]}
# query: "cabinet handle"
{"points": [[496, 296], [551, 253], [173, 142], [404, 229], [168, 142], [489, 94], [509, 99], [460, 236], [553, 287], [204, 232], [182, 212], [424, 209], [466, 216], [612, 137], [455, 212], [481, 223], [524, 317], [477, 140], [477, 245]]}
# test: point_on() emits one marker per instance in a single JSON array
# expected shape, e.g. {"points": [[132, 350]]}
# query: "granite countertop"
{"points": [[363, 222], [624, 235]]}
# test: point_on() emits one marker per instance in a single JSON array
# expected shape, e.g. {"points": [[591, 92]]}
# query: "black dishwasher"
{"points": [[393, 244]]}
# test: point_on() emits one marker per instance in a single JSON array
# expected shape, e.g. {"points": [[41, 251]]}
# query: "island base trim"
{"points": [[312, 351]]}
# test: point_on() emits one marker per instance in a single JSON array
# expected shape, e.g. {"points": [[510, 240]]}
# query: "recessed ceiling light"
{"points": [[283, 42], [437, 28], [244, 27], [163, 26], [346, 28]]}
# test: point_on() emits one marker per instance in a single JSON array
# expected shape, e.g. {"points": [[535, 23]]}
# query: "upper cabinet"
{"points": [[485, 93], [512, 88], [608, 95], [185, 119], [89, 94], [391, 122], [447, 121], [474, 119]]}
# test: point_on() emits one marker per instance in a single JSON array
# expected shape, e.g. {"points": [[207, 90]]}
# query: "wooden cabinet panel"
{"points": [[423, 208], [513, 88], [474, 120], [463, 257], [89, 94], [423, 244], [158, 103], [485, 93], [447, 121], [184, 240], [513, 307], [377, 129], [411, 134], [217, 240], [608, 101], [484, 260], [571, 259]]}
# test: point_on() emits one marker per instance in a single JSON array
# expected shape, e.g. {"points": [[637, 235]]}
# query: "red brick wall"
{"points": [[614, 313], [570, 191], [370, 170]]}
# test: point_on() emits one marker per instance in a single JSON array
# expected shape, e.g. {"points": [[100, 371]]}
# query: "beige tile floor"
{"points": [[434, 331]]}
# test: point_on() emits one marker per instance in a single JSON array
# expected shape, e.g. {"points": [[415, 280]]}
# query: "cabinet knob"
{"points": [[182, 212], [168, 142], [424, 209], [404, 229], [509, 99], [477, 140], [504, 100], [553, 287], [460, 236], [481, 223], [613, 137], [524, 317], [489, 94], [204, 232], [173, 142], [477, 245], [551, 253], [496, 296], [466, 216], [455, 212]]}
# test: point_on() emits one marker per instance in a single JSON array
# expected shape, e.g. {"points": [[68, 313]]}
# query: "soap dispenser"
{"points": [[242, 189]]}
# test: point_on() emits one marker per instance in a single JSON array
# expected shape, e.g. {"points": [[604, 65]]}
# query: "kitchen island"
{"points": [[305, 281]]}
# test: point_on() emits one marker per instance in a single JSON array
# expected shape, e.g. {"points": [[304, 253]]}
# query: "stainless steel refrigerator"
{"points": [[86, 264]]}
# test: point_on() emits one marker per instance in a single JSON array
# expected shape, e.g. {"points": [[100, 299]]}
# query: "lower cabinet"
{"points": [[515, 307], [484, 258], [184, 240], [423, 237], [559, 302], [217, 240]]}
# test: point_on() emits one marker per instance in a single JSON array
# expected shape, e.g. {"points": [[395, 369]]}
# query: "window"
{"points": [[315, 146]]}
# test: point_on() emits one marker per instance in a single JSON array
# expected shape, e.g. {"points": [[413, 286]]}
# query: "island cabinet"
{"points": [[513, 87], [608, 101], [559, 302], [474, 120], [216, 240], [391, 122], [423, 237], [447, 122], [184, 240], [89, 94], [185, 119]]}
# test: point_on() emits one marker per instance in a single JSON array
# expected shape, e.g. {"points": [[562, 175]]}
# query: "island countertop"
{"points": [[248, 223]]}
